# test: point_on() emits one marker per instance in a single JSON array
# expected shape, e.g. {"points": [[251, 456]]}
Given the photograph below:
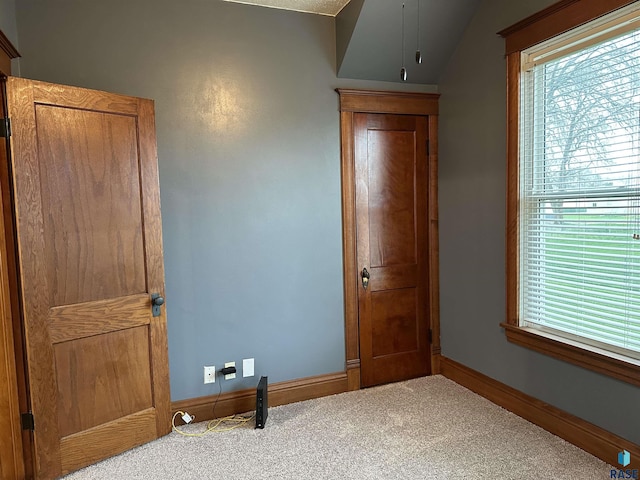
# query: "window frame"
{"points": [[552, 21]]}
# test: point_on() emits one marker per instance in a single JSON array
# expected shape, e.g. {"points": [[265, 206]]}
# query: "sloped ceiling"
{"points": [[369, 38]]}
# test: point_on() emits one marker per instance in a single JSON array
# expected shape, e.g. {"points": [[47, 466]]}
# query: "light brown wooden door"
{"points": [[392, 245], [90, 255]]}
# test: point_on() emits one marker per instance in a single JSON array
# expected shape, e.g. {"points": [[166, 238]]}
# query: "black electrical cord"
{"points": [[217, 398]]}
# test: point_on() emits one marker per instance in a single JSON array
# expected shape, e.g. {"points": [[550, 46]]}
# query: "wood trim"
{"points": [[375, 101], [11, 459], [587, 436], [513, 153], [7, 53], [350, 268], [436, 364], [434, 246], [280, 393], [11, 453], [592, 358], [353, 374], [7, 47], [554, 20], [362, 228], [536, 17]]}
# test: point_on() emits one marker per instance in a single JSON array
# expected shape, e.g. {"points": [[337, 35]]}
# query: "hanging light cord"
{"points": [[418, 54], [403, 71], [403, 34], [418, 37]]}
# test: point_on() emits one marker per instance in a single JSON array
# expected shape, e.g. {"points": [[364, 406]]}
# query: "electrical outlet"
{"points": [[230, 376], [210, 374], [247, 367]]}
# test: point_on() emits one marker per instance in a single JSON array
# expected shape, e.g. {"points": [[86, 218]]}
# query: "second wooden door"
{"points": [[391, 173]]}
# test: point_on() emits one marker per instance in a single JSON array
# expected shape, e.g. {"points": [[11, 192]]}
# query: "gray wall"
{"points": [[8, 21], [249, 153], [472, 235]]}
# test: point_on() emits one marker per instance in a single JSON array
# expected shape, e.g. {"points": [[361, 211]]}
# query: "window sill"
{"points": [[611, 364]]}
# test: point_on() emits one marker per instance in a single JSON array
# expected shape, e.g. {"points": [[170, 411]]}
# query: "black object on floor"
{"points": [[262, 405]]}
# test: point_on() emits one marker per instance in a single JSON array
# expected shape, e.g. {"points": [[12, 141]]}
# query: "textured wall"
{"points": [[249, 152], [472, 235]]}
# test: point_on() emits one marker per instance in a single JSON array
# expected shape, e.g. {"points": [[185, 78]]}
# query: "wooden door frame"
{"points": [[402, 103], [13, 393]]}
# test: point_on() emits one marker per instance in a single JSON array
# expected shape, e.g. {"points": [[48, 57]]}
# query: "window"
{"points": [[574, 192]]}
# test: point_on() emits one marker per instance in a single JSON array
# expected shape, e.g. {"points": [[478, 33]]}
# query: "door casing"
{"points": [[14, 459], [403, 103]]}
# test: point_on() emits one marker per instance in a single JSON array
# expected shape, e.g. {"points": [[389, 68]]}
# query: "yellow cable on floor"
{"points": [[213, 425]]}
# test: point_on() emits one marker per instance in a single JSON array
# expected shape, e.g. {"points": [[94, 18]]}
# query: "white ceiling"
{"points": [[321, 7]]}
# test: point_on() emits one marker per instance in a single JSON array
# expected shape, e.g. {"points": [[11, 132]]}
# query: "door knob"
{"points": [[365, 278], [156, 302]]}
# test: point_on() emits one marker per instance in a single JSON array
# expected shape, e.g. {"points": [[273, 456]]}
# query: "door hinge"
{"points": [[428, 148], [430, 335], [5, 127], [27, 420]]}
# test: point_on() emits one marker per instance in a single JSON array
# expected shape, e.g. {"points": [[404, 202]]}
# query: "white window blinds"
{"points": [[579, 173]]}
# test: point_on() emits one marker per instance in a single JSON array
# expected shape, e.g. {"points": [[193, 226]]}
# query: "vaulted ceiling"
{"points": [[369, 38], [369, 34]]}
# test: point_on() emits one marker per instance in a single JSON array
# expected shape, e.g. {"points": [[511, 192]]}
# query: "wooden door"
{"points": [[88, 227], [391, 174]]}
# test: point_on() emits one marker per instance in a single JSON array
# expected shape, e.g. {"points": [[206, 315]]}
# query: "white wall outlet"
{"points": [[209, 374], [230, 376], [247, 367]]}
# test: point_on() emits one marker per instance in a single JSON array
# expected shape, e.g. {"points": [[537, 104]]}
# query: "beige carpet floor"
{"points": [[427, 428]]}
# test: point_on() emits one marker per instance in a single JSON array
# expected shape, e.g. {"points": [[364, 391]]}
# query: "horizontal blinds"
{"points": [[580, 190]]}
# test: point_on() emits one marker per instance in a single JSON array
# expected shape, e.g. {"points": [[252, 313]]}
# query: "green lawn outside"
{"points": [[576, 269]]}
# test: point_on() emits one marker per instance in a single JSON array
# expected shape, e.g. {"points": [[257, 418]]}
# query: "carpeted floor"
{"points": [[427, 428]]}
